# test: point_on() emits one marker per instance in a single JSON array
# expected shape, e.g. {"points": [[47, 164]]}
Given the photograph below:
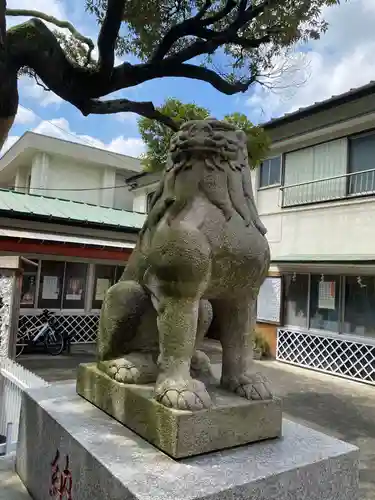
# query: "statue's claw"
{"points": [[253, 386], [183, 395], [135, 368]]}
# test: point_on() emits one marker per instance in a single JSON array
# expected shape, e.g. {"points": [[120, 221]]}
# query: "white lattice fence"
{"points": [[81, 329], [340, 356], [14, 379]]}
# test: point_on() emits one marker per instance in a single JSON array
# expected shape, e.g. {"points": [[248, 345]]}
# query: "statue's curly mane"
{"points": [[216, 166]]}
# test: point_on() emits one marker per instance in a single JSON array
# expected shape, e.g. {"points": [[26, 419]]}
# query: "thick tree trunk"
{"points": [[8, 82], [8, 96], [5, 126]]}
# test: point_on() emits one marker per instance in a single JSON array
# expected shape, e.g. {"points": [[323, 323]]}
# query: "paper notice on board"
{"points": [[102, 285], [74, 289], [327, 295], [50, 289], [269, 300]]}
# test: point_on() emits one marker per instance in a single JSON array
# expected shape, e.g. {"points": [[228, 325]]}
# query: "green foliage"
{"points": [[157, 136], [261, 344], [258, 142], [284, 22]]}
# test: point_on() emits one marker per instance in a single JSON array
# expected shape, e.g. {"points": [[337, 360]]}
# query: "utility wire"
{"points": [[67, 189]]}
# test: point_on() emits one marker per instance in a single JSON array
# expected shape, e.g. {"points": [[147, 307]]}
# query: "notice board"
{"points": [[269, 301]]}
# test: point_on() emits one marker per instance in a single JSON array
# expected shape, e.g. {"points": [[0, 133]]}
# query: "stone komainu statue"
{"points": [[198, 264]]}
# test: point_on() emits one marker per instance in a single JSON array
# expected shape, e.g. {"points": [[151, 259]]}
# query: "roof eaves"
{"points": [[334, 100], [38, 207], [71, 222], [32, 140]]}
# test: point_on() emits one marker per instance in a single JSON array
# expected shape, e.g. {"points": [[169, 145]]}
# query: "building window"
{"points": [[339, 304], [361, 159], [296, 293], [105, 277], [359, 311], [62, 285], [315, 174], [75, 279], [29, 285], [325, 302], [119, 272], [149, 200], [270, 172], [51, 284]]}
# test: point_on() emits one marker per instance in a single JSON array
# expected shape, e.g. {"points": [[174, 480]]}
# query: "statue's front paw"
{"points": [[188, 395], [132, 369], [253, 386]]}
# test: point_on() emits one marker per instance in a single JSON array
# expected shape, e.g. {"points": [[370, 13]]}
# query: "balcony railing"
{"points": [[329, 188]]}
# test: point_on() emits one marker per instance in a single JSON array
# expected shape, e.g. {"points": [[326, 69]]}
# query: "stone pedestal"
{"points": [[104, 460], [232, 421]]}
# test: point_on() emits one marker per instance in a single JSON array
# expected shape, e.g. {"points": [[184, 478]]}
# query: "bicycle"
{"points": [[48, 333]]}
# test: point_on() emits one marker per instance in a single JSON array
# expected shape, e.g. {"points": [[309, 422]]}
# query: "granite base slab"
{"points": [[232, 421], [107, 461]]}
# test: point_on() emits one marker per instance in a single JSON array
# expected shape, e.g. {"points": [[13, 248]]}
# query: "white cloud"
{"points": [[51, 7], [60, 128], [44, 98], [9, 143], [341, 60], [131, 146], [24, 116], [130, 118]]}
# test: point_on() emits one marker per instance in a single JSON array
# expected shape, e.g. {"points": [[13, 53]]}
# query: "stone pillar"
{"points": [[10, 291], [107, 195], [22, 180], [39, 174]]}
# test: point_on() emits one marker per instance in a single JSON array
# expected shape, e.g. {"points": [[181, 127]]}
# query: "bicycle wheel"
{"points": [[20, 346], [54, 342], [22, 342]]}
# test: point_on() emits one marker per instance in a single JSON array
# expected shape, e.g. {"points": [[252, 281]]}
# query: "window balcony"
{"points": [[338, 187]]}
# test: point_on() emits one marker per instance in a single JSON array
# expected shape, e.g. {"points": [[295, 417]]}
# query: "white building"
{"points": [[37, 164], [67, 209], [316, 196]]}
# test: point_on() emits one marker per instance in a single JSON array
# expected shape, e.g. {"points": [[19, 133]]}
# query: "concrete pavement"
{"points": [[11, 487], [335, 406]]}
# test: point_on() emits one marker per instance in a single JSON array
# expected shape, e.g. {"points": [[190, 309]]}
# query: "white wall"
{"points": [[23, 179], [39, 174], [336, 228], [140, 197], [343, 229], [123, 198], [65, 173], [60, 177]]}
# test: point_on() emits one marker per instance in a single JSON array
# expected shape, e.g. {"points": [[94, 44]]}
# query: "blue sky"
{"points": [[342, 59]]}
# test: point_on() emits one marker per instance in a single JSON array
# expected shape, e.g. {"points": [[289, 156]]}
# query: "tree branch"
{"points": [[3, 27], [53, 20], [140, 73], [210, 40], [207, 75], [108, 36], [193, 26], [228, 7], [32, 44], [146, 109]]}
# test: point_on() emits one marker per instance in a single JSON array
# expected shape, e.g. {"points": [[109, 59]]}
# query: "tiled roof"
{"points": [[13, 204], [334, 100]]}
